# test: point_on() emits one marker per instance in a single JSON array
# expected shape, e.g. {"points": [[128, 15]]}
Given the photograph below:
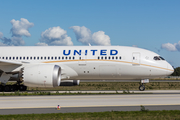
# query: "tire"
{"points": [[25, 88], [141, 87], [21, 87], [7, 88], [13, 88], [1, 88]]}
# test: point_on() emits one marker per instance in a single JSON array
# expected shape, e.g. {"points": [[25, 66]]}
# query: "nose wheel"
{"points": [[142, 87], [142, 82]]}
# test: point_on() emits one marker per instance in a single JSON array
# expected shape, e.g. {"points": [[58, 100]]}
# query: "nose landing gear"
{"points": [[142, 87]]}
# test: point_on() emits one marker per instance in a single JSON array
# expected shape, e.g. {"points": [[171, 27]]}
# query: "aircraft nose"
{"points": [[170, 69]]}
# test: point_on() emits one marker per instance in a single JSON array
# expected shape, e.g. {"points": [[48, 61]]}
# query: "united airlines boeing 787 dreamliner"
{"points": [[50, 66]]}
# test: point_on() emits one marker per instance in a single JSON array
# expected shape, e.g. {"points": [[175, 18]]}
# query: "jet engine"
{"points": [[46, 75], [70, 82]]}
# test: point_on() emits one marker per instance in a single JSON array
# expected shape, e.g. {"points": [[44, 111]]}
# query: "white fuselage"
{"points": [[89, 62]]}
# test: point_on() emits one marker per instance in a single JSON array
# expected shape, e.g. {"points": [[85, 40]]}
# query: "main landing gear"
{"points": [[15, 87]]}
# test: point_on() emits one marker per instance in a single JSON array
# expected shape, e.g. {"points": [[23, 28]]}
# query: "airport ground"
{"points": [[113, 115], [80, 107], [154, 98], [117, 85]]}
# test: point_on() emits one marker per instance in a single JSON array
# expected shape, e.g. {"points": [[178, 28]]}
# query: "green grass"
{"points": [[57, 93], [113, 115], [115, 86]]}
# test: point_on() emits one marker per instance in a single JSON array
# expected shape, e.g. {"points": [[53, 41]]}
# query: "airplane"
{"points": [[52, 66]]}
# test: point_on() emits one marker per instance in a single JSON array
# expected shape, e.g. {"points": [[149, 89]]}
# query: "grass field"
{"points": [[113, 115], [116, 86]]}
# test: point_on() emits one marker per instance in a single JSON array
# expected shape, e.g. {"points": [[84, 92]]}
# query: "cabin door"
{"points": [[82, 59], [136, 58]]}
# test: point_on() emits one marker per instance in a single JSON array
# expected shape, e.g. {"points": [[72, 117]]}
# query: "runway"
{"points": [[87, 103]]}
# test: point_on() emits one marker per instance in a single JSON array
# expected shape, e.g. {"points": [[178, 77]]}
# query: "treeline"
{"points": [[176, 72]]}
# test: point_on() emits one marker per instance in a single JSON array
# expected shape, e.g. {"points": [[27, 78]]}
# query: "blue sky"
{"points": [[147, 24]]}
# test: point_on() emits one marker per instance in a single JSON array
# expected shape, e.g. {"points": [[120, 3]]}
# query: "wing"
{"points": [[3, 62], [8, 66]]}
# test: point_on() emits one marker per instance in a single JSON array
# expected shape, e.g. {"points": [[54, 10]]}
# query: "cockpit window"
{"points": [[161, 58], [158, 58]]}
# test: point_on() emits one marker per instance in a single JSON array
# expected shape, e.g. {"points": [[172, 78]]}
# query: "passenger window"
{"points": [[34, 58], [69, 58], [45, 58], [73, 58], [31, 58], [16, 58], [41, 58], [20, 58], [2, 57], [27, 58], [59, 58], [109, 58], [105, 57], [10, 58], [101, 57], [112, 57], [116, 58], [6, 58], [62, 58], [80, 58], [48, 58], [98, 58], [66, 58], [51, 58], [120, 58]]}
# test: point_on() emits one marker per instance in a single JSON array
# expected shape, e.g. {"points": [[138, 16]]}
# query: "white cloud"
{"points": [[2, 44], [16, 40], [41, 44], [169, 47], [55, 36], [177, 46], [20, 28], [1, 34], [84, 36], [99, 38]]}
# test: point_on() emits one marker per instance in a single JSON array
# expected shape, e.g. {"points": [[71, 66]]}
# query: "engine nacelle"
{"points": [[69, 82], [42, 75]]}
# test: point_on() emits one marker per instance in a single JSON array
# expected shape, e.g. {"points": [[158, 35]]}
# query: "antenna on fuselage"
{"points": [[89, 44]]}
